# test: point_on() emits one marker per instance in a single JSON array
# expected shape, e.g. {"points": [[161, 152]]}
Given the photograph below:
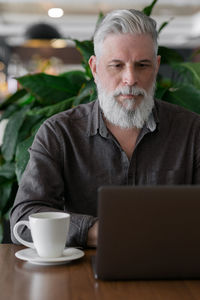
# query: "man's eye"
{"points": [[116, 66], [143, 65]]}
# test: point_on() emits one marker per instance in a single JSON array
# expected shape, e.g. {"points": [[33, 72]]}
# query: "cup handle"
{"points": [[23, 242]]}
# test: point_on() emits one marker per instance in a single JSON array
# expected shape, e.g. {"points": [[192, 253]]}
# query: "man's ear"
{"points": [[93, 66], [158, 63]]}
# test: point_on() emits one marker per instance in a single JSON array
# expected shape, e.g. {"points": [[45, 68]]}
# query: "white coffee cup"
{"points": [[49, 232]]}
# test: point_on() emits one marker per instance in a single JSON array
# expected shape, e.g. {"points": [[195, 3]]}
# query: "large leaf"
{"points": [[187, 96], [194, 54], [163, 25], [50, 110], [15, 102], [161, 91], [22, 156], [76, 79], [169, 56], [1, 230], [26, 99], [100, 17], [86, 48], [13, 98], [3, 180], [148, 9], [9, 203], [48, 89], [26, 128], [5, 191], [37, 126], [7, 170], [190, 73], [87, 93], [9, 111], [11, 133]]}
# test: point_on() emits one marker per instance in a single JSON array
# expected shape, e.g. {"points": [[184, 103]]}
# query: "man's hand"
{"points": [[92, 235]]}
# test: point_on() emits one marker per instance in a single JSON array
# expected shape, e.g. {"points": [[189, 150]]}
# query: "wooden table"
{"points": [[24, 281]]}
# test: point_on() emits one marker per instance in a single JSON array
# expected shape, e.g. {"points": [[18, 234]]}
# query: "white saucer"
{"points": [[31, 256]]}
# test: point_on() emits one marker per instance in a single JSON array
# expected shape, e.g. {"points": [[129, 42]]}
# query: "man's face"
{"points": [[126, 60]]}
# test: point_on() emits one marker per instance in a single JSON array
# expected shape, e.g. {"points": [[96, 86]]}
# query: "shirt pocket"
{"points": [[166, 177]]}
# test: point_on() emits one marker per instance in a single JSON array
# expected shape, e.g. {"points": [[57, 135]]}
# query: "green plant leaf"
{"points": [[195, 53], [163, 25], [100, 17], [26, 99], [7, 170], [87, 93], [37, 126], [26, 128], [148, 9], [11, 133], [9, 203], [3, 180], [76, 79], [9, 111], [190, 72], [22, 156], [161, 91], [1, 230], [186, 96], [169, 56], [6, 216], [86, 48], [50, 110], [5, 191], [13, 98], [48, 89], [1, 158]]}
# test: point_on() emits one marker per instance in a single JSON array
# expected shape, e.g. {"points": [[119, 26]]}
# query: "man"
{"points": [[125, 137]]}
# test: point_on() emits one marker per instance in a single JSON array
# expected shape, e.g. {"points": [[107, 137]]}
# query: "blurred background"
{"points": [[35, 35]]}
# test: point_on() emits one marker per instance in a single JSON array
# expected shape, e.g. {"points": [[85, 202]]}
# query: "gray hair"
{"points": [[124, 21]]}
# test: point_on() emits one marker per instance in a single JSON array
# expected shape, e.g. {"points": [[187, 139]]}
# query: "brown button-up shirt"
{"points": [[73, 154]]}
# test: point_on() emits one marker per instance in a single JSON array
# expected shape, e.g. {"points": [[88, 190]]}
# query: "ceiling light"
{"points": [[55, 12]]}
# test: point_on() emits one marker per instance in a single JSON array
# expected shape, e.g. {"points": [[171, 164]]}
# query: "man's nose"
{"points": [[129, 76]]}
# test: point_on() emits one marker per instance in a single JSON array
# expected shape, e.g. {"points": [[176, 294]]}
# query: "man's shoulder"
{"points": [[164, 108], [79, 112]]}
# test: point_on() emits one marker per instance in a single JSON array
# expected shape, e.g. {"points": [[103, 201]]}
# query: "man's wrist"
{"points": [[92, 235]]}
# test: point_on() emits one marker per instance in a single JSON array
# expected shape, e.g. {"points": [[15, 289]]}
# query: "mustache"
{"points": [[130, 90]]}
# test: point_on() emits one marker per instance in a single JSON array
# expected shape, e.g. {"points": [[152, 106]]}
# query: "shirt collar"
{"points": [[151, 124], [96, 123]]}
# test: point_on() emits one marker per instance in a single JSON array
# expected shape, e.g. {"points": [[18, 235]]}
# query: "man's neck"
{"points": [[126, 137]]}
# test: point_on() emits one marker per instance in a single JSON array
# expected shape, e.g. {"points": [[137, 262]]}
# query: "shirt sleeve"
{"points": [[42, 188]]}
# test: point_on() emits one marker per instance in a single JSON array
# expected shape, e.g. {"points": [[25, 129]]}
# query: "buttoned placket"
{"points": [[129, 166], [148, 128], [132, 170]]}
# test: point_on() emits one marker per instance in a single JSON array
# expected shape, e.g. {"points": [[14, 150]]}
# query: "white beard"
{"points": [[126, 115]]}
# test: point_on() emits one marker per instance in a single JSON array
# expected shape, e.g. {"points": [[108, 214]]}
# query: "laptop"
{"points": [[148, 233]]}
